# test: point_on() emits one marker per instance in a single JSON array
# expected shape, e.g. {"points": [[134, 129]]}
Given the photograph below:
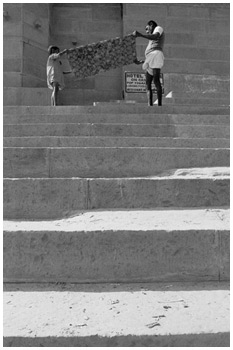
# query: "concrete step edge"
{"points": [[154, 219], [55, 198], [120, 108]]}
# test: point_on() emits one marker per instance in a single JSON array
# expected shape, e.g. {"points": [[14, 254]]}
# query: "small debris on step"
{"points": [[154, 324]]}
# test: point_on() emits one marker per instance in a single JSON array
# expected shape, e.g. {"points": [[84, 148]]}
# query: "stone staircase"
{"points": [[116, 225]]}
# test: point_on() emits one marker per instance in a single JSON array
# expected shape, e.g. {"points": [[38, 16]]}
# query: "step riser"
{"points": [[199, 101], [116, 108], [203, 340], [98, 141], [57, 198], [186, 131], [118, 118], [106, 162], [116, 256]]}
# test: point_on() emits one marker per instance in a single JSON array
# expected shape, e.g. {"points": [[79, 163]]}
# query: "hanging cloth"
{"points": [[90, 59]]}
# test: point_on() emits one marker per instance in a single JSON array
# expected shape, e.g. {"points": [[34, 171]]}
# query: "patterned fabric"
{"points": [[90, 59]]}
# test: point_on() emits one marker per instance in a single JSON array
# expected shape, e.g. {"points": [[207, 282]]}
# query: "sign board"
{"points": [[136, 82]]}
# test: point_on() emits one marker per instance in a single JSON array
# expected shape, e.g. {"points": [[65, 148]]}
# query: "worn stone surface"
{"points": [[174, 314], [43, 198], [112, 162], [118, 129], [115, 108], [57, 198], [114, 141], [121, 245], [121, 118]]}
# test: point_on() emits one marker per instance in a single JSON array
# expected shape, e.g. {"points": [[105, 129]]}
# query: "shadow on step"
{"points": [[116, 287], [181, 340]]}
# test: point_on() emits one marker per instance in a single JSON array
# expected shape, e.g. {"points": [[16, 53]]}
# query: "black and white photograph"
{"points": [[116, 174]]}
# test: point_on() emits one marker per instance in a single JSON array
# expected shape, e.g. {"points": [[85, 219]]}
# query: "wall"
{"points": [[12, 45], [197, 54], [35, 26], [197, 41], [80, 24]]}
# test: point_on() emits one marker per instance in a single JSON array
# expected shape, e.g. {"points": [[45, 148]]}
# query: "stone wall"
{"points": [[197, 54], [197, 42], [26, 33], [25, 43], [80, 24], [12, 45], [35, 43]]}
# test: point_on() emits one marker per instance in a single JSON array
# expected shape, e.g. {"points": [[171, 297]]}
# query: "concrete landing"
{"points": [[113, 315]]}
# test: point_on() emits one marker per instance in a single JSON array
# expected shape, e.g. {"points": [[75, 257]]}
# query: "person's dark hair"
{"points": [[52, 47], [152, 23]]}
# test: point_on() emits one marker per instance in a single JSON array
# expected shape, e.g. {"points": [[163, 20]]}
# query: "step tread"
{"points": [[119, 118], [213, 173], [114, 311], [122, 107], [161, 219]]}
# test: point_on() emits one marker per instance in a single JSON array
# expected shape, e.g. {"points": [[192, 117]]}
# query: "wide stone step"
{"points": [[113, 141], [117, 129], [120, 246], [44, 198], [32, 96], [117, 315], [130, 118], [106, 162], [114, 107]]}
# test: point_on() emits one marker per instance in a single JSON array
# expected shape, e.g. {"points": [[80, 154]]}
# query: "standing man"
{"points": [[154, 59]]}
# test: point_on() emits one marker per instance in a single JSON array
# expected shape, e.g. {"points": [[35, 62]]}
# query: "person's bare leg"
{"points": [[52, 98], [156, 77], [150, 97], [54, 94], [149, 92]]}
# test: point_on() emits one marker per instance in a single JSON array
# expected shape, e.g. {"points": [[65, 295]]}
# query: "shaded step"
{"points": [[201, 101], [115, 315], [117, 129], [34, 97], [120, 246], [106, 162], [106, 141], [189, 119], [31, 199], [121, 107]]}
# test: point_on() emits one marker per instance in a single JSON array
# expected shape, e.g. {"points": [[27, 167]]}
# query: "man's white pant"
{"points": [[155, 59]]}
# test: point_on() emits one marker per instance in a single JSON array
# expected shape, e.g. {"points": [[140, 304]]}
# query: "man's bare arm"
{"points": [[147, 36]]}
